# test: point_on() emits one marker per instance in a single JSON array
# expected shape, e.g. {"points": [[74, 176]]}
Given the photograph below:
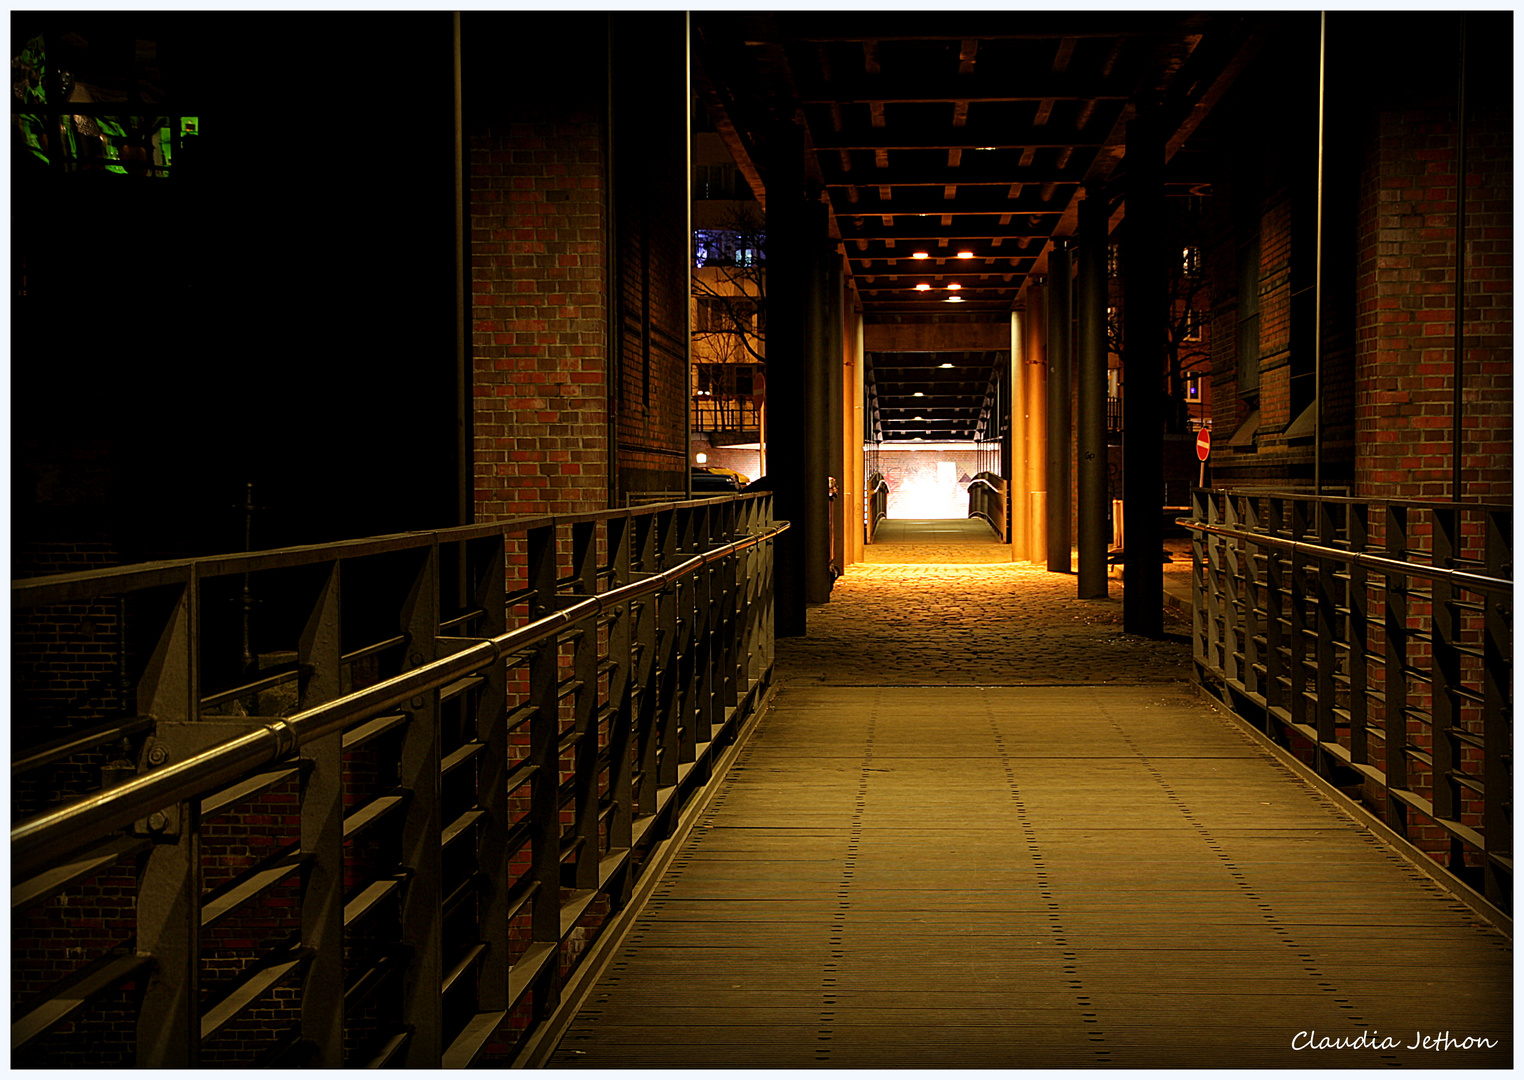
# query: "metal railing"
{"points": [[878, 502], [986, 499], [490, 727], [1375, 640]]}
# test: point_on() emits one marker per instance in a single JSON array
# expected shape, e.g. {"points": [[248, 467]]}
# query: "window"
{"points": [[1113, 259], [728, 247], [1194, 320], [725, 315], [1190, 261]]}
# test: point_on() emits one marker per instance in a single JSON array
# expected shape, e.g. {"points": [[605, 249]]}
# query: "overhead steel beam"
{"points": [[975, 200], [999, 86], [860, 136]]}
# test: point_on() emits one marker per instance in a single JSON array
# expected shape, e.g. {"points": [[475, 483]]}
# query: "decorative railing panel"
{"points": [[390, 840], [986, 499], [1375, 639]]}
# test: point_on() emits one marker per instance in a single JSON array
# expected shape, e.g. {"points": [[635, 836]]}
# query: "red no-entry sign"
{"points": [[1203, 444]]}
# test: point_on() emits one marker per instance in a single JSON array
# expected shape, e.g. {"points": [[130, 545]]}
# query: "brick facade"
{"points": [[1388, 292], [539, 319], [1405, 356]]}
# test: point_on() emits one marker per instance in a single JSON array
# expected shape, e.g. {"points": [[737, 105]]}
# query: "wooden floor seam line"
{"points": [[943, 877]]}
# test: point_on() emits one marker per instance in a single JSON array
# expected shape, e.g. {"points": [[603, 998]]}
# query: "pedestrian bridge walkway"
{"points": [[979, 827]]}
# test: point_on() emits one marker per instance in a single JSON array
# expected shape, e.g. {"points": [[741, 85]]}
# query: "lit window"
{"points": [[1190, 260]]}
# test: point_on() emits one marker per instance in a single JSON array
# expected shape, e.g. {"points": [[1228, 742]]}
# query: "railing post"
{"points": [[1203, 508], [1497, 726], [685, 596], [1254, 587], [322, 825], [1225, 593], [1395, 705], [545, 786], [704, 651], [1326, 613], [488, 557], [1275, 618], [1444, 669], [169, 879], [647, 671], [730, 655], [585, 713], [1298, 628], [422, 1009], [621, 820], [1358, 527], [670, 695]]}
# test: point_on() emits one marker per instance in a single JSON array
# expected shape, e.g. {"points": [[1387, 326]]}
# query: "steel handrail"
{"points": [[91, 817], [1462, 579]]}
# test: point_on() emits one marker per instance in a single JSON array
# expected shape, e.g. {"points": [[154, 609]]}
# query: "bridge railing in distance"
{"points": [[393, 846], [1373, 639], [878, 502], [986, 499]]}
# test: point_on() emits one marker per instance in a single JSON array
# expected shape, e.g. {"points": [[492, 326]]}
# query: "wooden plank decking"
{"points": [[1025, 877]]}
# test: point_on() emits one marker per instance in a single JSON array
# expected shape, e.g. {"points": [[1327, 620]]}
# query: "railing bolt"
{"points": [[158, 755], [415, 658], [417, 703], [157, 821]]}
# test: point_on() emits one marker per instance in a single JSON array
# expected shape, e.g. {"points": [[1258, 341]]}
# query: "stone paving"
{"points": [[930, 619]]}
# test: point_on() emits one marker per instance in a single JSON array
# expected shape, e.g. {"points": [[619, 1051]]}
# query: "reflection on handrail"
{"points": [[1471, 582], [45, 837]]}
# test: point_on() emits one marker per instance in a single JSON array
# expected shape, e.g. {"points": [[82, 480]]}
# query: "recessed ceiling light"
{"points": [[984, 148], [917, 394], [918, 418], [920, 255], [954, 285], [965, 254], [922, 287], [944, 365], [954, 300]]}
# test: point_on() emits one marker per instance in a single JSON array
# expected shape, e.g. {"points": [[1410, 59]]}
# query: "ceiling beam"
{"points": [[983, 199], [972, 136]]}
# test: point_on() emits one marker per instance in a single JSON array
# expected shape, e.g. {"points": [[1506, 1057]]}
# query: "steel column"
{"points": [[835, 374], [1016, 442], [820, 372], [1090, 358], [1145, 307], [1060, 405], [788, 259]]}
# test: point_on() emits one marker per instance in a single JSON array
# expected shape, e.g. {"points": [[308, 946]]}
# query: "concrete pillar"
{"points": [[1090, 359], [1144, 311], [787, 262], [836, 400], [820, 369], [853, 500], [1015, 464], [1035, 377], [1060, 392]]}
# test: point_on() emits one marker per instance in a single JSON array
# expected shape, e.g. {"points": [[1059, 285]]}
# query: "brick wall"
{"points": [[539, 318], [1405, 353]]}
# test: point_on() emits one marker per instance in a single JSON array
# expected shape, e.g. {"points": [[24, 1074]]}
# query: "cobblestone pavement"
{"points": [[945, 623]]}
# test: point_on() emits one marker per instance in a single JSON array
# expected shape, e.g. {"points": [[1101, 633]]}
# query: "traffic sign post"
{"points": [[1203, 449]]}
